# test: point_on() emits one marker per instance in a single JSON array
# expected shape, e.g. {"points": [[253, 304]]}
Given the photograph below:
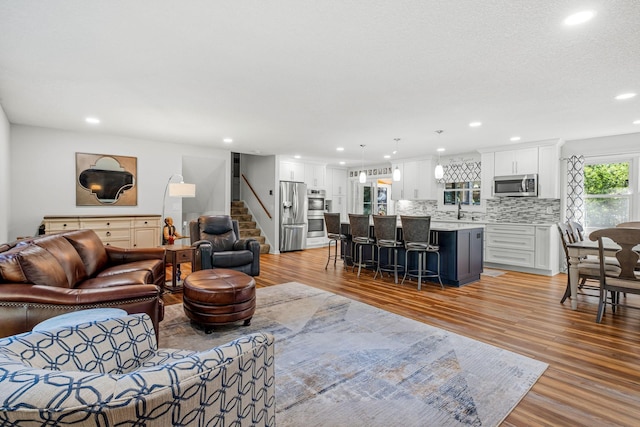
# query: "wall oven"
{"points": [[516, 186], [315, 212]]}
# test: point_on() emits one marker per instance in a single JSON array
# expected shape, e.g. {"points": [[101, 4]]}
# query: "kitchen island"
{"points": [[461, 250]]}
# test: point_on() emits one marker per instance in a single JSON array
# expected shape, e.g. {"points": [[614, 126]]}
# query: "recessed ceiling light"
{"points": [[625, 96], [297, 156], [342, 163], [637, 122], [92, 120], [514, 138], [386, 156], [475, 124], [579, 18], [227, 140], [340, 149]]}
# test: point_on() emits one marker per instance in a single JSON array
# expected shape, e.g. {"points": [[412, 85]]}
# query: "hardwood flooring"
{"points": [[593, 377]]}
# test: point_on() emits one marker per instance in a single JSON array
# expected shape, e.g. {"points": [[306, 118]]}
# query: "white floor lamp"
{"points": [[177, 189]]}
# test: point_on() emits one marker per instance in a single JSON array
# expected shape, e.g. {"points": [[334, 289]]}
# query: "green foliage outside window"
{"points": [[606, 180]]}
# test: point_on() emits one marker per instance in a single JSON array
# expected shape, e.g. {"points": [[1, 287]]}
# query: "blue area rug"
{"points": [[340, 362]]}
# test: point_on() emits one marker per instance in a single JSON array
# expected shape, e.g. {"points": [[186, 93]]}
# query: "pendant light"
{"points": [[397, 175], [439, 171], [363, 175]]}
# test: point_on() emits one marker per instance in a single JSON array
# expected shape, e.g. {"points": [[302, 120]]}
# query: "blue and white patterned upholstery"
{"points": [[110, 372]]}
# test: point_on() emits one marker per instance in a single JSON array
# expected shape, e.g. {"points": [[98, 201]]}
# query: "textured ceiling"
{"points": [[304, 77]]}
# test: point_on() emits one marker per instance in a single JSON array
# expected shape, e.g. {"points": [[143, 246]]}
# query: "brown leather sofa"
{"points": [[50, 275]]}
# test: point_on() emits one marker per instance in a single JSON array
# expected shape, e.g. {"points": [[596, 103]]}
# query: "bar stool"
{"points": [[385, 230], [416, 231], [332, 222], [361, 237]]}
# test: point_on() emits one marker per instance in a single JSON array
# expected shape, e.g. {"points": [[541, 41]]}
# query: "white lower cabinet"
{"points": [[527, 248]]}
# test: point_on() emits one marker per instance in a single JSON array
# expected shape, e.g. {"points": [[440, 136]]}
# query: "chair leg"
{"points": [[329, 257], [439, 279], [601, 305], [378, 266], [406, 266], [395, 265]]}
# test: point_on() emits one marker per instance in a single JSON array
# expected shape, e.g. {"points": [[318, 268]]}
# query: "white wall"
{"points": [[43, 173], [603, 146], [5, 187], [261, 174]]}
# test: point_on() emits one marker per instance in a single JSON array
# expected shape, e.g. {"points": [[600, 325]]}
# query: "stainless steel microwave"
{"points": [[516, 186]]}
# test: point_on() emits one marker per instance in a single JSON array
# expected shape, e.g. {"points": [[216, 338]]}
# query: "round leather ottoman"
{"points": [[219, 296]]}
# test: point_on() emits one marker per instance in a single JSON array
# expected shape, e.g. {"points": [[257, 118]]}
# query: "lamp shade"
{"points": [[439, 171], [180, 189], [363, 177], [397, 175]]}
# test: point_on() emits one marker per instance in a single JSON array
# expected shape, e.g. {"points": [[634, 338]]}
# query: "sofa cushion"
{"points": [[153, 266], [66, 255], [38, 267], [141, 277], [90, 248], [10, 268], [232, 259]]}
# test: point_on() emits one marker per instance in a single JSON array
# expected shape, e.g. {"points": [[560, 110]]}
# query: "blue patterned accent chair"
{"points": [[111, 372]]}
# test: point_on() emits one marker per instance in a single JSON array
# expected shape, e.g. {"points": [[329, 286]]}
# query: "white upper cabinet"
{"points": [[314, 175], [338, 183], [292, 171], [417, 181], [516, 162]]}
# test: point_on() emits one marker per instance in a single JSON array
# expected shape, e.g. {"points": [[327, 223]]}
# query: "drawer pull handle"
{"points": [[108, 223], [64, 225], [146, 222], [108, 233]]}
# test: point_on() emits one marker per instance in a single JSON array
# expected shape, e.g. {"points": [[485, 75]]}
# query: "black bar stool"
{"points": [[332, 222], [416, 232], [385, 230], [361, 237]]}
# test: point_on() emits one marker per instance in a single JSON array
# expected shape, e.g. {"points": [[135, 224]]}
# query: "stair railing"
{"points": [[256, 196]]}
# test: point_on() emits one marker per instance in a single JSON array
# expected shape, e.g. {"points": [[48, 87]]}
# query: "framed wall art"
{"points": [[106, 180]]}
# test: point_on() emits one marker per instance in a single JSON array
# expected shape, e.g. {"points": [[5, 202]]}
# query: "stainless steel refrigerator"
{"points": [[293, 216]]}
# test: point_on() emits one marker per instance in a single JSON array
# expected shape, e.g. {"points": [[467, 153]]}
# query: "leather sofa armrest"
{"points": [[42, 294], [204, 250], [254, 246], [123, 255]]}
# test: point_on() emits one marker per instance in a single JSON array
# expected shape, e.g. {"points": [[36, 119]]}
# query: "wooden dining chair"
{"points": [[627, 278], [587, 270]]}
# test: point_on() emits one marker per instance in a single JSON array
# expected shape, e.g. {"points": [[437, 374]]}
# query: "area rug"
{"points": [[340, 362]]}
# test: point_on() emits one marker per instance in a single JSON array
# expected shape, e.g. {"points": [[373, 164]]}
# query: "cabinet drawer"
{"points": [[113, 234], [146, 222], [511, 241], [510, 257], [183, 256], [55, 226], [507, 228], [117, 243], [106, 223]]}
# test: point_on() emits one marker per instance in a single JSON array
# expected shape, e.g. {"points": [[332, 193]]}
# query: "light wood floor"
{"points": [[593, 377]]}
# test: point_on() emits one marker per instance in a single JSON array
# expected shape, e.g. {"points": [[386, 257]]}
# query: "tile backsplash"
{"points": [[526, 210]]}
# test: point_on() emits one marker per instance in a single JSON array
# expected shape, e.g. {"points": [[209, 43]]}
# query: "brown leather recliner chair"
{"points": [[218, 245]]}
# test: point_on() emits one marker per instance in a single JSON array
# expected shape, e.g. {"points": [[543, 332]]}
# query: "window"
{"points": [[467, 193], [608, 195]]}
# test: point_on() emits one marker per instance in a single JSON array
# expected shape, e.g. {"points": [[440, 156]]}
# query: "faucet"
{"points": [[459, 210]]}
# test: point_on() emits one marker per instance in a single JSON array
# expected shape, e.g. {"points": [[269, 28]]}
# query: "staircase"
{"points": [[247, 226]]}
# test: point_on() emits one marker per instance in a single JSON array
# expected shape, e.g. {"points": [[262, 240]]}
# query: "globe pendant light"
{"points": [[439, 171], [363, 175], [397, 176]]}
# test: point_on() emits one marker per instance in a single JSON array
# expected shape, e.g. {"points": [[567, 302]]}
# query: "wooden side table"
{"points": [[174, 255]]}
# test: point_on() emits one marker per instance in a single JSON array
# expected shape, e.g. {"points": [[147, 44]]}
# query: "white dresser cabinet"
{"points": [[136, 231]]}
